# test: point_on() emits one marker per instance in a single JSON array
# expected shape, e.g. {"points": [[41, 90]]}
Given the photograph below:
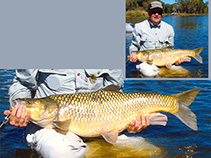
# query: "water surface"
{"points": [[174, 140], [190, 33]]}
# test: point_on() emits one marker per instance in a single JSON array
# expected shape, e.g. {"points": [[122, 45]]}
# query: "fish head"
{"points": [[142, 56], [43, 111]]}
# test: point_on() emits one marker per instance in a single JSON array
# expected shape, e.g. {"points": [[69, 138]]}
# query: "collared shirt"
{"points": [[148, 36], [38, 83]]}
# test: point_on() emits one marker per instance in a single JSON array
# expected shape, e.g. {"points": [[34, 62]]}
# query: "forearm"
{"points": [[23, 85]]}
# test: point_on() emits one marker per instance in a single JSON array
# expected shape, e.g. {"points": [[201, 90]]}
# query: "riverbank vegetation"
{"points": [[138, 8]]}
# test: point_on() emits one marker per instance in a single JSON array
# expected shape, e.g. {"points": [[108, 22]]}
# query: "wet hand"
{"points": [[18, 116], [179, 61], [139, 124], [132, 57]]}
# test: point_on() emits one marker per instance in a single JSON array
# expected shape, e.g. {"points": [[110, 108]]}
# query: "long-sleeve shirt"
{"points": [[148, 36], [38, 83]]}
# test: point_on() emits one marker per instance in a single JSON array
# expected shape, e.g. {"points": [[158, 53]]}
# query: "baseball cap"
{"points": [[155, 4]]}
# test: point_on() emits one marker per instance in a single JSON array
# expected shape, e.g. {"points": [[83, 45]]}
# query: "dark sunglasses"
{"points": [[160, 12]]}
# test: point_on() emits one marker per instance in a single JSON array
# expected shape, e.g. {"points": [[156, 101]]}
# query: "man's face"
{"points": [[155, 15]]}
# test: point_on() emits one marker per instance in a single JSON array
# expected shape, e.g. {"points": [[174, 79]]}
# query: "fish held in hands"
{"points": [[168, 56], [106, 113]]}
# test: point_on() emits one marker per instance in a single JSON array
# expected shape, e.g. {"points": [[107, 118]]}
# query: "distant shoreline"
{"points": [[138, 13]]}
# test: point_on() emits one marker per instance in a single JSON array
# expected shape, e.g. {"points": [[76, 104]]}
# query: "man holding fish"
{"points": [[152, 33], [39, 83]]}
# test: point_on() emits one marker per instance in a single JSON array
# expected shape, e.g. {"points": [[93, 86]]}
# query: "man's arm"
{"points": [[23, 85]]}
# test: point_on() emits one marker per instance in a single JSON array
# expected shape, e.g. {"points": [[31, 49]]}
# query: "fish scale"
{"points": [[167, 56], [106, 113], [108, 107]]}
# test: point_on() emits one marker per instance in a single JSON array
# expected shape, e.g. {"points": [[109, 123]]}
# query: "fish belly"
{"points": [[160, 58]]}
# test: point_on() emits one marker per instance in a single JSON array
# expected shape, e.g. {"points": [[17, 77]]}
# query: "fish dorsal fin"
{"points": [[62, 125], [115, 88], [169, 47], [111, 137]]}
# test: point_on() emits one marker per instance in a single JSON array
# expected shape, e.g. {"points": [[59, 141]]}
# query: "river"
{"points": [[191, 32], [173, 140]]}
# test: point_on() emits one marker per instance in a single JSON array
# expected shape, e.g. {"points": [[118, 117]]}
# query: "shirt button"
{"points": [[78, 74]]}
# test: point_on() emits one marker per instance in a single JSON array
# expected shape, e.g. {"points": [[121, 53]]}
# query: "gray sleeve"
{"points": [[171, 36], [24, 84], [135, 45]]}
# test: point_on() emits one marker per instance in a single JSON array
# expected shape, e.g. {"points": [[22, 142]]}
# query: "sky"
{"points": [[173, 1], [168, 1]]}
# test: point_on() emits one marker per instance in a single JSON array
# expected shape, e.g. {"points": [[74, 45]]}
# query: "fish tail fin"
{"points": [[184, 113], [197, 56]]}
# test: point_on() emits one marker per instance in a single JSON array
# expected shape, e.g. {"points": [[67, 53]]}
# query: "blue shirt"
{"points": [[148, 36]]}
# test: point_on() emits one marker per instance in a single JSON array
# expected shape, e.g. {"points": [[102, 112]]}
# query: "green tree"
{"points": [[168, 8], [131, 5]]}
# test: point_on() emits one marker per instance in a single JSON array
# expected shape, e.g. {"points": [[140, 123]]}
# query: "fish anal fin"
{"points": [[111, 137], [61, 125]]}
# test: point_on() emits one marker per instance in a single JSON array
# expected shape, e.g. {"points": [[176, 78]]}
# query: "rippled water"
{"points": [[175, 140], [190, 33]]}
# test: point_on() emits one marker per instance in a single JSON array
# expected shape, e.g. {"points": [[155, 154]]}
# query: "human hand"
{"points": [[139, 124], [133, 57], [18, 116], [179, 61]]}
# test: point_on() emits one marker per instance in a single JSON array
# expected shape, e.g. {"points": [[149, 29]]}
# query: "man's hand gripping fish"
{"points": [[106, 113]]}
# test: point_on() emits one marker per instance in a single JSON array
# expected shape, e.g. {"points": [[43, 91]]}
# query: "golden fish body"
{"points": [[107, 113], [167, 56], [100, 112]]}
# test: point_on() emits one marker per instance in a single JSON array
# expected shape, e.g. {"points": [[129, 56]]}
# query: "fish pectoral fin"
{"points": [[169, 66], [150, 62], [62, 125], [111, 137]]}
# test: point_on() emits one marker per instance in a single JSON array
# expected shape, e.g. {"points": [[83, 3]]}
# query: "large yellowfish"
{"points": [[106, 112], [168, 56]]}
